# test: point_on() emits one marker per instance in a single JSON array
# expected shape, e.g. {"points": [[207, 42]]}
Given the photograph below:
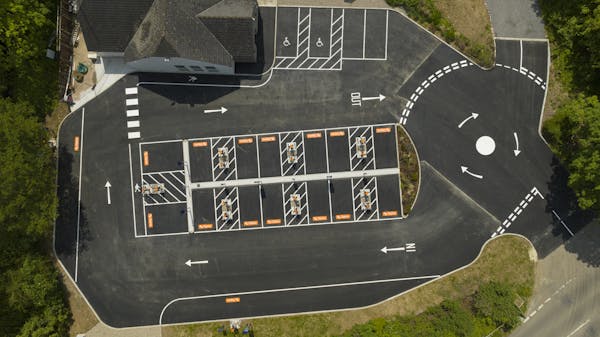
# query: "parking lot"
{"points": [[280, 179]]}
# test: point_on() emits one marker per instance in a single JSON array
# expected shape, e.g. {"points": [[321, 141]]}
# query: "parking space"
{"points": [[247, 159], [165, 219], [315, 152], [338, 148], [388, 188], [386, 143], [272, 205], [288, 178], [164, 156], [321, 38], [341, 200]]}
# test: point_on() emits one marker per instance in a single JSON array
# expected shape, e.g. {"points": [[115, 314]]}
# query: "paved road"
{"points": [[430, 90], [567, 293], [516, 19]]}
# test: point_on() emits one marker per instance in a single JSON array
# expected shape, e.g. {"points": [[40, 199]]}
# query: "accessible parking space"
{"points": [[164, 156], [320, 32], [246, 157], [287, 34], [272, 205], [315, 152], [341, 200]]}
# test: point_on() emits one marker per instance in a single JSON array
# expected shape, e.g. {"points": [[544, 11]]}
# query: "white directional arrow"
{"points": [[192, 79], [517, 151], [108, 186], [222, 110], [380, 98], [473, 116], [409, 248], [137, 187], [465, 169], [189, 263], [386, 249]]}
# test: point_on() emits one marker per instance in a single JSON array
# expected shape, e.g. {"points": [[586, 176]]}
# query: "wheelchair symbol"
{"points": [[319, 43], [286, 42]]}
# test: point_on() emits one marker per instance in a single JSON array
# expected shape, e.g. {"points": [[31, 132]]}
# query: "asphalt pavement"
{"points": [[471, 189]]}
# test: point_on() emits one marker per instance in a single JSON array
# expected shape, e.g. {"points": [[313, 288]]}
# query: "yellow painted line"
{"points": [[273, 221], [248, 140], [337, 133], [150, 221], [313, 135], [342, 216], [232, 300], [319, 218], [250, 223], [146, 158], [383, 130], [389, 213], [267, 139], [76, 144], [205, 226], [200, 144]]}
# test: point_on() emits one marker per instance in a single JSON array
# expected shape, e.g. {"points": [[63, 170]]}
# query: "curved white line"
{"points": [[293, 289]]}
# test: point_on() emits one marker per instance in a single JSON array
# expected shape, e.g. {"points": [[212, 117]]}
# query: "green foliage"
{"points": [[26, 29], [497, 301], [574, 133], [27, 201], [573, 27], [31, 297], [426, 13], [492, 306]]}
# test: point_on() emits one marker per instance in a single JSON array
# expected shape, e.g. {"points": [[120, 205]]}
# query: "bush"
{"points": [[496, 301]]}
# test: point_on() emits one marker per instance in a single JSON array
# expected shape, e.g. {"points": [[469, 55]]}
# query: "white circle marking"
{"points": [[485, 145]]}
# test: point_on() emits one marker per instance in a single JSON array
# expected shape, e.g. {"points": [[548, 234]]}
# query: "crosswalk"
{"points": [[132, 106]]}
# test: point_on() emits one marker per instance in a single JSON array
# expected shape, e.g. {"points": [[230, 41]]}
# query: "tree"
{"points": [[574, 133], [53, 321], [497, 301], [32, 286], [27, 199]]}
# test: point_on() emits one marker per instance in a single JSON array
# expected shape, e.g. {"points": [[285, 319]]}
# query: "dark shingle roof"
{"points": [[108, 25], [215, 31]]}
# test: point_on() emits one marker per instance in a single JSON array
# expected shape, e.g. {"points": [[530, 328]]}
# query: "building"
{"points": [[192, 36]]}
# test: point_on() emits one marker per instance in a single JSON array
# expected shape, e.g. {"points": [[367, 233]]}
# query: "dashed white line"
{"points": [[131, 91], [133, 113], [131, 101], [133, 135], [133, 124]]}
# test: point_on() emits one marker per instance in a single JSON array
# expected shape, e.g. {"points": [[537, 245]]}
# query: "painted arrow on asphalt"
{"points": [[465, 169], [517, 151], [189, 263], [108, 186], [222, 110], [473, 116], [409, 247], [380, 98]]}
